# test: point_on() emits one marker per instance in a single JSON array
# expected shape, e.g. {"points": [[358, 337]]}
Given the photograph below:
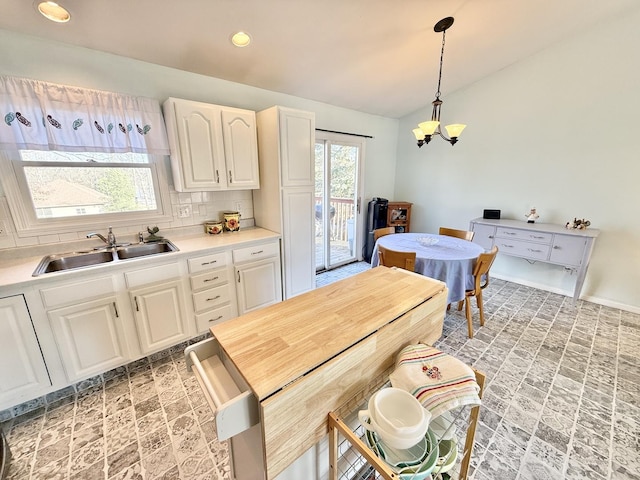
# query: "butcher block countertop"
{"points": [[274, 346], [313, 353]]}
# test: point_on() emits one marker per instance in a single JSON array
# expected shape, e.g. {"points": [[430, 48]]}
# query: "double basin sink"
{"points": [[73, 260]]}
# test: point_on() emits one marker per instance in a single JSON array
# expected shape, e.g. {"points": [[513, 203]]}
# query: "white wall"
{"points": [[557, 131], [31, 57]]}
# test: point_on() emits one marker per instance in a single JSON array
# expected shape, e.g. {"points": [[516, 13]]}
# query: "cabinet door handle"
{"points": [[510, 233], [135, 299], [230, 177], [536, 236], [534, 250], [217, 176], [238, 276], [507, 246], [258, 252], [210, 279], [215, 319], [214, 298], [490, 236], [115, 309], [209, 263]]}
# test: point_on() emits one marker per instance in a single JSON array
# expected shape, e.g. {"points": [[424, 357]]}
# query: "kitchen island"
{"points": [[294, 362]]}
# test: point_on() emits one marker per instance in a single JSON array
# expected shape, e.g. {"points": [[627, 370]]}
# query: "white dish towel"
{"points": [[439, 381]]}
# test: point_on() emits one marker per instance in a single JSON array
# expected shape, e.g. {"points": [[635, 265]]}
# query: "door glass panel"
{"points": [[337, 170]]}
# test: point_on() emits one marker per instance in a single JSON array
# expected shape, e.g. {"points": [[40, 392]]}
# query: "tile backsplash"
{"points": [[189, 211]]}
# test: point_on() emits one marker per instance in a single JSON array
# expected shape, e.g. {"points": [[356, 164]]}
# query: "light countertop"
{"points": [[18, 272]]}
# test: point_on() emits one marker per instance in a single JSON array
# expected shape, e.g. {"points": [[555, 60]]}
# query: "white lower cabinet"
{"points": [[88, 325], [90, 337], [159, 306], [258, 276], [159, 314], [23, 373]]}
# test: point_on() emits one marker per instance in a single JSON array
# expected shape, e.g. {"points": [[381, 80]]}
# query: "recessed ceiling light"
{"points": [[54, 12], [241, 39]]}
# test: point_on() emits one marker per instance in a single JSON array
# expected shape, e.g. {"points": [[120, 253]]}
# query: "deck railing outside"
{"points": [[342, 218]]}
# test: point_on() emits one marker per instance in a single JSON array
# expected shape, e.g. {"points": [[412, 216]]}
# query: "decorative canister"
{"points": [[232, 221], [213, 227]]}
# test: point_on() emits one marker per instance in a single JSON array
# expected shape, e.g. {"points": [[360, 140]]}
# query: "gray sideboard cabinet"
{"points": [[544, 242]]}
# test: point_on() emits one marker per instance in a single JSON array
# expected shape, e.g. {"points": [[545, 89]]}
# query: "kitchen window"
{"points": [[73, 158], [69, 191]]}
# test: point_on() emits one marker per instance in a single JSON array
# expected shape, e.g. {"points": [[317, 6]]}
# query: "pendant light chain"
{"points": [[441, 60]]}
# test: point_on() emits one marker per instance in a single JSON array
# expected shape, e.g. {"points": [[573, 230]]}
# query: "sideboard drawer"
{"points": [[522, 248], [528, 235]]}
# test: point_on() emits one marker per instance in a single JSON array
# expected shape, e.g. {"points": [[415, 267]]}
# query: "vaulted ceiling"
{"points": [[375, 56]]}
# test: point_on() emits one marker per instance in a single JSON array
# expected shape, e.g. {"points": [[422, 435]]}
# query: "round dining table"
{"points": [[444, 258]]}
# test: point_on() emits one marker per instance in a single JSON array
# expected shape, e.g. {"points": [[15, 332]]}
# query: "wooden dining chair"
{"points": [[392, 258], [452, 232], [380, 232], [481, 281]]}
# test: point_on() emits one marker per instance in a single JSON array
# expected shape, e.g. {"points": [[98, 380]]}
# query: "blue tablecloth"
{"points": [[449, 259]]}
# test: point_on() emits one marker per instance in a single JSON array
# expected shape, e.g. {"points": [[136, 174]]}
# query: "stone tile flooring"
{"points": [[562, 400]]}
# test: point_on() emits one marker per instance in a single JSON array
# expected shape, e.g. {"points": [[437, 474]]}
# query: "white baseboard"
{"points": [[600, 301]]}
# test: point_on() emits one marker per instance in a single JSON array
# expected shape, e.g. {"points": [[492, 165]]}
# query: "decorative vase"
{"points": [[232, 221], [213, 227]]}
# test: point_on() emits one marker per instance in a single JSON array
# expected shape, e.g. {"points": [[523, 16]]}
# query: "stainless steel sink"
{"points": [[74, 260], [144, 249], [67, 261]]}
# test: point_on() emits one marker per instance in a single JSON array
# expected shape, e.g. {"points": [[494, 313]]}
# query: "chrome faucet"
{"points": [[110, 240]]}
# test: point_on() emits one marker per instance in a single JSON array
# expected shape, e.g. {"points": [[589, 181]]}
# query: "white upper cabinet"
{"points": [[297, 144], [212, 147], [240, 148]]}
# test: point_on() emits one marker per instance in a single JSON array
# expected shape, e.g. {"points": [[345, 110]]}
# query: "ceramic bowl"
{"points": [[428, 464], [420, 468], [395, 457], [397, 417], [447, 455]]}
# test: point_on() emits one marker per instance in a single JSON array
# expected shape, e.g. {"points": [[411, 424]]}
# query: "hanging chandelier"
{"points": [[426, 130]]}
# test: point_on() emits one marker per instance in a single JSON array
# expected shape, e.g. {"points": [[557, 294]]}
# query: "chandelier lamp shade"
{"points": [[426, 130]]}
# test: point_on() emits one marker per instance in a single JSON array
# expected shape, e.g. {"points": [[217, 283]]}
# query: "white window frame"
{"points": [[28, 225]]}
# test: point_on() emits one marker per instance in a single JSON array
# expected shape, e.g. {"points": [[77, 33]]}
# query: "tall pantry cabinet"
{"points": [[285, 201]]}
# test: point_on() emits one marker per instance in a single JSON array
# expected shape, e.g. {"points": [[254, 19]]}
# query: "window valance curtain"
{"points": [[45, 116]]}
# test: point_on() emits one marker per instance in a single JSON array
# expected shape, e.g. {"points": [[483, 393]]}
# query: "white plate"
{"points": [[427, 241]]}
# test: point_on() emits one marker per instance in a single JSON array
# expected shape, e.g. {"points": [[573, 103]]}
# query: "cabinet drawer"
{"points": [[78, 292], [234, 407], [255, 253], [212, 317], [209, 279], [207, 262], [145, 276], [519, 248], [211, 298], [539, 237]]}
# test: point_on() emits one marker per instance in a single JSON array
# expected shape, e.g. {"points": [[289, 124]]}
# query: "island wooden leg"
{"points": [[471, 430]]}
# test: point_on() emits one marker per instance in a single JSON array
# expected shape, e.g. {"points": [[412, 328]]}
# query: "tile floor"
{"points": [[562, 400]]}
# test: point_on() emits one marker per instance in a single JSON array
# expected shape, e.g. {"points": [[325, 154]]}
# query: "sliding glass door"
{"points": [[337, 196]]}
